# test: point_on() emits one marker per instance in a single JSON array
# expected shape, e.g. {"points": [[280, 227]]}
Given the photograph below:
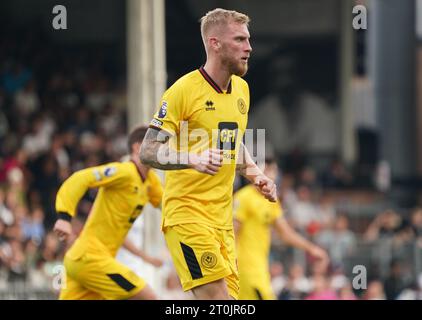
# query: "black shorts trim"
{"points": [[121, 281], [191, 261], [258, 294]]}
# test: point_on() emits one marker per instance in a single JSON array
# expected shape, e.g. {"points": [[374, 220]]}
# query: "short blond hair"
{"points": [[221, 17]]}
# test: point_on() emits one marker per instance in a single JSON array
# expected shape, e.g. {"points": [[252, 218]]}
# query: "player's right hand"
{"points": [[63, 229], [209, 161], [266, 187]]}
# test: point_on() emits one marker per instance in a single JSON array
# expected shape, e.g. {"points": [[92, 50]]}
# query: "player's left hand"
{"points": [[320, 254], [156, 262], [267, 187]]}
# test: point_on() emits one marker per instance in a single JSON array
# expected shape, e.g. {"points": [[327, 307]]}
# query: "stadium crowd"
{"points": [[61, 111]]}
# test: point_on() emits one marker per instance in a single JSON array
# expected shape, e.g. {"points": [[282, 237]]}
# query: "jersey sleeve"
{"points": [[155, 190], [171, 111], [247, 95], [245, 89], [73, 189], [277, 210], [240, 206]]}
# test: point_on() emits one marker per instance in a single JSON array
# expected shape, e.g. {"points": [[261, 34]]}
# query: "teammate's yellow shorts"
{"points": [[97, 277], [202, 254], [253, 287]]}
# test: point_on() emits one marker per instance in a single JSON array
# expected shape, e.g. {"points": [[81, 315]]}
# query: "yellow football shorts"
{"points": [[202, 254], [97, 277], [255, 288]]}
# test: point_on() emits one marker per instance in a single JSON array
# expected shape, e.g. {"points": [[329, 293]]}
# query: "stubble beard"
{"points": [[235, 67]]}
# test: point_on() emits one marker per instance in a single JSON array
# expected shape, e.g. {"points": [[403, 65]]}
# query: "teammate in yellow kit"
{"points": [[254, 219], [92, 272], [196, 135]]}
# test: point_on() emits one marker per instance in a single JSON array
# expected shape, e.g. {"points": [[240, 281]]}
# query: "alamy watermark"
{"points": [[360, 279], [360, 20], [59, 278], [198, 141], [60, 19]]}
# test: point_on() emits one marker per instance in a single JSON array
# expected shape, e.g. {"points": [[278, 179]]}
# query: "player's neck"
{"points": [[218, 73], [141, 167]]}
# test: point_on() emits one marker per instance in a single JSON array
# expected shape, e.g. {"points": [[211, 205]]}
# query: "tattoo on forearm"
{"points": [[155, 147]]}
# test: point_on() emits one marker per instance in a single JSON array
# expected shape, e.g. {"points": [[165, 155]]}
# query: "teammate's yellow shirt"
{"points": [[257, 215], [122, 195], [212, 119]]}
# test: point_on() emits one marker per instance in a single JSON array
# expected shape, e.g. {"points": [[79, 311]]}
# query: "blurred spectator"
{"points": [[6, 216], [319, 268], [345, 292], [27, 101], [297, 285], [287, 193], [326, 211], [15, 78], [396, 282], [375, 291], [385, 224], [51, 255], [16, 161], [3, 245], [321, 289], [416, 221], [46, 181], [16, 261], [278, 280], [38, 140], [340, 242], [303, 212], [33, 226], [338, 278], [404, 235], [412, 292], [337, 176]]}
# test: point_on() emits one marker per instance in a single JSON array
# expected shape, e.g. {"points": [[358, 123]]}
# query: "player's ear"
{"points": [[214, 43]]}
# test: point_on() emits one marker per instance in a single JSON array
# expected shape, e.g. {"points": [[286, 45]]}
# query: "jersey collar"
{"points": [[212, 82], [143, 178]]}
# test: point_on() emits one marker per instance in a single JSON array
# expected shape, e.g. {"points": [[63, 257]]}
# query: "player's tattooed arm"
{"points": [[155, 151]]}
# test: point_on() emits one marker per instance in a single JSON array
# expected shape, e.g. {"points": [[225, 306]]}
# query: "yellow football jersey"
{"points": [[199, 115], [122, 194], [257, 215]]}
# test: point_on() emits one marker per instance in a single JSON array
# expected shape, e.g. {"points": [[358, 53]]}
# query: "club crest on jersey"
{"points": [[208, 259], [241, 105], [109, 171], [163, 110]]}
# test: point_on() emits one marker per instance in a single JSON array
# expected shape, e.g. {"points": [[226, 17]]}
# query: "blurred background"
{"points": [[341, 109]]}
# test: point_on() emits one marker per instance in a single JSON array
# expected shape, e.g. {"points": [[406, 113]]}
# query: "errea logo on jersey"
{"points": [[209, 105]]}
